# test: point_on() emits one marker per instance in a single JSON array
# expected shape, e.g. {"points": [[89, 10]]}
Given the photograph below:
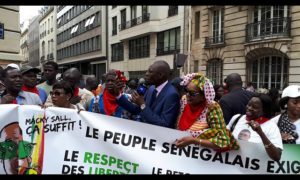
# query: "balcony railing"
{"points": [[173, 11], [167, 50], [50, 56], [122, 26], [114, 32], [214, 41], [135, 21], [276, 27]]}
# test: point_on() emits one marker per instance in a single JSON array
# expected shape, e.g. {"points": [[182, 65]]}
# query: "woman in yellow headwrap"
{"points": [[202, 117]]}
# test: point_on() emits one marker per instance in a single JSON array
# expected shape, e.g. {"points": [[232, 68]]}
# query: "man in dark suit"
{"points": [[160, 105], [236, 100]]}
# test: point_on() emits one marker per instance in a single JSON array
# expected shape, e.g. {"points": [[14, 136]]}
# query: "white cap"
{"points": [[291, 91], [13, 65]]}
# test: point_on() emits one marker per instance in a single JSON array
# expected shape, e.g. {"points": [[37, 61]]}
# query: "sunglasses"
{"points": [[56, 93], [191, 93]]}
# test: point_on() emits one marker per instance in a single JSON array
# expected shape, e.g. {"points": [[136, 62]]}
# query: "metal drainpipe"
{"points": [[190, 37], [184, 40], [107, 38]]}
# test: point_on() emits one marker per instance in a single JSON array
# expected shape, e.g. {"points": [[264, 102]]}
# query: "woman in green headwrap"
{"points": [[202, 117]]}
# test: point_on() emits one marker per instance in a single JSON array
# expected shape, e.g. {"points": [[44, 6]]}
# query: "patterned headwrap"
{"points": [[202, 83]]}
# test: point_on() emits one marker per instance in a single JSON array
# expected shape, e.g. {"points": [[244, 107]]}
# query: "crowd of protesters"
{"points": [[215, 116]]}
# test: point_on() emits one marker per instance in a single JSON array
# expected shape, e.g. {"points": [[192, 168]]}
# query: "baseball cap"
{"points": [[26, 68], [291, 91], [13, 66]]}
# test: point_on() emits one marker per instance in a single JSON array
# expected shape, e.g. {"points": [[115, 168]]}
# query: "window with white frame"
{"points": [[74, 29], [269, 20], [92, 20], [45, 27], [218, 25], [43, 48], [49, 46], [133, 16], [59, 21], [139, 47], [168, 41], [52, 46], [87, 22], [123, 19], [196, 66], [117, 52], [114, 25], [173, 10], [197, 25], [214, 71], [269, 72], [133, 12], [51, 23], [49, 26], [144, 10]]}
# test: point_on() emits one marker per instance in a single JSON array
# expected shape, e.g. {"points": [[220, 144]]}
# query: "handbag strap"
{"points": [[235, 122]]}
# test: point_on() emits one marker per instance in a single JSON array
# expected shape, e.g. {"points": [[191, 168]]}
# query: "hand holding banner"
{"points": [[61, 141]]}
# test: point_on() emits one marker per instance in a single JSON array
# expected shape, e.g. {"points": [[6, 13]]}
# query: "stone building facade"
{"points": [[261, 43], [9, 35], [47, 43]]}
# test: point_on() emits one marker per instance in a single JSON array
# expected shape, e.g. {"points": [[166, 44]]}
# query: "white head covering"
{"points": [[13, 65], [291, 91]]}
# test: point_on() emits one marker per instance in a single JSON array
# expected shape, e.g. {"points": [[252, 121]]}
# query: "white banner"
{"points": [[90, 143]]}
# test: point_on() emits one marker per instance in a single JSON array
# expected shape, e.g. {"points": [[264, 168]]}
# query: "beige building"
{"points": [[33, 41], [24, 46], [9, 35], [140, 35], [262, 43], [47, 30]]}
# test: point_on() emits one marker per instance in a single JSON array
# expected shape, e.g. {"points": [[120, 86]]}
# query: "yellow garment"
{"points": [[211, 126]]}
